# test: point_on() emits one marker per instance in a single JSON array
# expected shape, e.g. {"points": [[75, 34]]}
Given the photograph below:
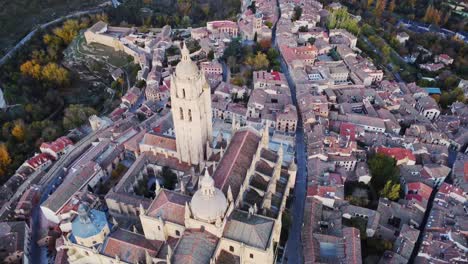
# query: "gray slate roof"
{"points": [[252, 230]]}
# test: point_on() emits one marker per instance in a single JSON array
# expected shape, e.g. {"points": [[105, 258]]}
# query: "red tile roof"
{"points": [[446, 188], [170, 206], [160, 141], [130, 247], [233, 167], [347, 129], [38, 160], [58, 145], [397, 153], [419, 191]]}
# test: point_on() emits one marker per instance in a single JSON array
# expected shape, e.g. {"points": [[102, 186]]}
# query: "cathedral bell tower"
{"points": [[191, 110]]}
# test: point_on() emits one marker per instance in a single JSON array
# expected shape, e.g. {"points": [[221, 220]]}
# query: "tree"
{"points": [[232, 63], [31, 68], [5, 159], [380, 7], [239, 81], [391, 6], [55, 74], [391, 190], [311, 40], [211, 55], [432, 15], [268, 24], [184, 6], [18, 131], [297, 13], [382, 169], [340, 18], [303, 28], [258, 62], [272, 54], [170, 178], [76, 115], [68, 31]]}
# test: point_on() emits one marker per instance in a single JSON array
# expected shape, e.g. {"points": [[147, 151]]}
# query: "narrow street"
{"points": [[294, 245], [293, 248]]}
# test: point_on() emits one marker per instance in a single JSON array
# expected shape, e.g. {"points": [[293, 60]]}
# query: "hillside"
{"points": [[18, 17], [183, 13]]}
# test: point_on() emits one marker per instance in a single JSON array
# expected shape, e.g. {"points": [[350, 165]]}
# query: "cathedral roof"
{"points": [[186, 68], [252, 230], [89, 222], [170, 206], [195, 247], [233, 167], [208, 203], [130, 247]]}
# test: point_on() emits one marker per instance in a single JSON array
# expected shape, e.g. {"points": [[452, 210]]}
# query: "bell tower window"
{"points": [[190, 115], [183, 93], [181, 113]]}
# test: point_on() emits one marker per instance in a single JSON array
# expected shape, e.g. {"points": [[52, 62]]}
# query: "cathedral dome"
{"points": [[186, 68], [208, 203]]}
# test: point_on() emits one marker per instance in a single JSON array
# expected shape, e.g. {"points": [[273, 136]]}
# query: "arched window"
{"points": [[181, 113], [183, 93], [190, 115]]}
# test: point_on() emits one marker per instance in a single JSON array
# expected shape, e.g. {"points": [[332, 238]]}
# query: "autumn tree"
{"points": [[18, 131], [380, 7], [68, 31], [432, 15], [31, 68], [391, 6], [184, 6], [55, 74], [5, 159]]}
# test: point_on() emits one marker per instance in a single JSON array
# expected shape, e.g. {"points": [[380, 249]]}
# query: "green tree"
{"points": [[297, 13], [76, 115], [391, 190], [170, 178], [272, 54], [382, 169], [211, 55]]}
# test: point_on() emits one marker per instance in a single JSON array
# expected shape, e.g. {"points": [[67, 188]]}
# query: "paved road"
{"points": [[42, 27], [294, 245], [293, 250]]}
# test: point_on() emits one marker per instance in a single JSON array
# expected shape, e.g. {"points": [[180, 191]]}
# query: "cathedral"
{"points": [[228, 203]]}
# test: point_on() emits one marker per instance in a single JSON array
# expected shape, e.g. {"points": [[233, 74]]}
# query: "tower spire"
{"points": [[185, 52]]}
